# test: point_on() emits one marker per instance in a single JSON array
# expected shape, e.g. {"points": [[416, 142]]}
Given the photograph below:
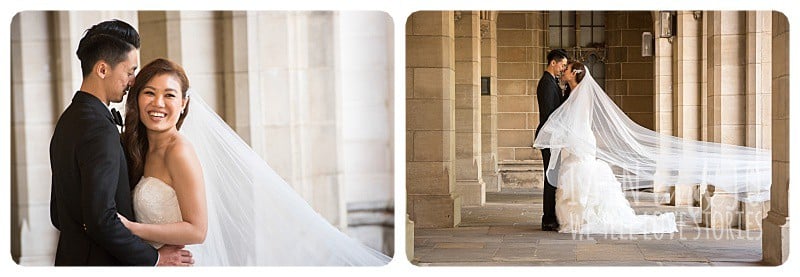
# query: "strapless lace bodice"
{"points": [[155, 202]]}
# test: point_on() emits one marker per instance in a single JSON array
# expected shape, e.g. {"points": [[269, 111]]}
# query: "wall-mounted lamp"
{"points": [[697, 15], [668, 24], [647, 44]]}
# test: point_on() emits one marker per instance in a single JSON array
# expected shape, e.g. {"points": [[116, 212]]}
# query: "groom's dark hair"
{"points": [[109, 41], [557, 54]]}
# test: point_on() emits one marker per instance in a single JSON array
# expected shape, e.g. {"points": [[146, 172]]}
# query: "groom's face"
{"points": [[120, 78], [560, 66]]}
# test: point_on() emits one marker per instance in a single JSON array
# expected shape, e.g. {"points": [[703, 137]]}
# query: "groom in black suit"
{"points": [[549, 96], [90, 174]]}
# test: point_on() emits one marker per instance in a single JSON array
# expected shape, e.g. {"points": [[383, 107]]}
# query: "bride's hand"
{"points": [[128, 224]]}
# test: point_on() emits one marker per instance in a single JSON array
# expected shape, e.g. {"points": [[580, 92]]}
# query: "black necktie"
{"points": [[116, 117]]}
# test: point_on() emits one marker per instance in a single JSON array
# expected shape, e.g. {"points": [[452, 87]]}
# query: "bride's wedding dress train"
{"points": [[590, 200]]}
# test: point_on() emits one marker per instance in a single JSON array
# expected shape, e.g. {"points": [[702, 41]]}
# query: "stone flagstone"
{"points": [[506, 232]]}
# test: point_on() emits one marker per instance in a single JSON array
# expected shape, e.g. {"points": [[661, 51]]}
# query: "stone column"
{"points": [[191, 39], [34, 111], [292, 102], [277, 60], [775, 234], [758, 100], [702, 34], [663, 82], [242, 98], [317, 114], [430, 121], [468, 108], [704, 88], [67, 66], [727, 105], [159, 31], [759, 78], [366, 72], [704, 61], [489, 102], [687, 76], [687, 96], [409, 239], [240, 75]]}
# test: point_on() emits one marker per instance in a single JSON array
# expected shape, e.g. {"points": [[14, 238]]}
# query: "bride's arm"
{"points": [[187, 181]]}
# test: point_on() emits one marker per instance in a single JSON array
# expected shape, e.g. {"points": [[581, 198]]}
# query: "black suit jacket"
{"points": [[548, 94], [90, 186]]}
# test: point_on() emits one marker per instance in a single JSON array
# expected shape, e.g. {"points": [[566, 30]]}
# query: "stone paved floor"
{"points": [[507, 232]]}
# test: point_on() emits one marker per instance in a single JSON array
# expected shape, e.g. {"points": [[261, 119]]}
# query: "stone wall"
{"points": [[629, 75], [521, 60]]}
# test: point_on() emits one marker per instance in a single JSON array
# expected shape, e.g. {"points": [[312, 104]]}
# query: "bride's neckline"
{"points": [[156, 178]]}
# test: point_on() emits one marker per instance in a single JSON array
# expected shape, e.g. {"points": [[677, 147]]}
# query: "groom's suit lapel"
{"points": [[557, 91], [555, 88]]}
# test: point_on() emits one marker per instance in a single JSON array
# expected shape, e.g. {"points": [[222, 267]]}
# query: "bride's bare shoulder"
{"points": [[181, 152]]}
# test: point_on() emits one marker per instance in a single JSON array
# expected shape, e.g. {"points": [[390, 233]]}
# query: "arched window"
{"points": [[562, 29], [582, 34], [566, 26]]}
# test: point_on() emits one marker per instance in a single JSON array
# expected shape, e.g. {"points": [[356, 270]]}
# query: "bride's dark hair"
{"points": [[576, 65], [134, 136]]}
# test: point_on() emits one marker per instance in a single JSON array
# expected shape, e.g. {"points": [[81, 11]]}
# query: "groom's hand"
{"points": [[174, 255]]}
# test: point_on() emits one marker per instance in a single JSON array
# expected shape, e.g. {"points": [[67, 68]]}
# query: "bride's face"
{"points": [[568, 75], [161, 103]]}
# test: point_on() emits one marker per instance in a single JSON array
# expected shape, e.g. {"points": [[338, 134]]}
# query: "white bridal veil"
{"points": [[254, 216], [641, 158]]}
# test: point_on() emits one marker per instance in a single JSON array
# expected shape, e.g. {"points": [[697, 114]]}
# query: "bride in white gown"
{"points": [[205, 188], [589, 199], [598, 152]]}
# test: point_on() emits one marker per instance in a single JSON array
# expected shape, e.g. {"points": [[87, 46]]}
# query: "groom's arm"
{"points": [[547, 97], [54, 205], [99, 162]]}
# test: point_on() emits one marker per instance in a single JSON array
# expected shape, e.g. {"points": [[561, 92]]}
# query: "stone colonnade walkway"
{"points": [[507, 232]]}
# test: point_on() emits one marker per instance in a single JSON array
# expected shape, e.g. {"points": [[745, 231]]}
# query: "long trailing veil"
{"points": [[254, 216], [642, 158]]}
